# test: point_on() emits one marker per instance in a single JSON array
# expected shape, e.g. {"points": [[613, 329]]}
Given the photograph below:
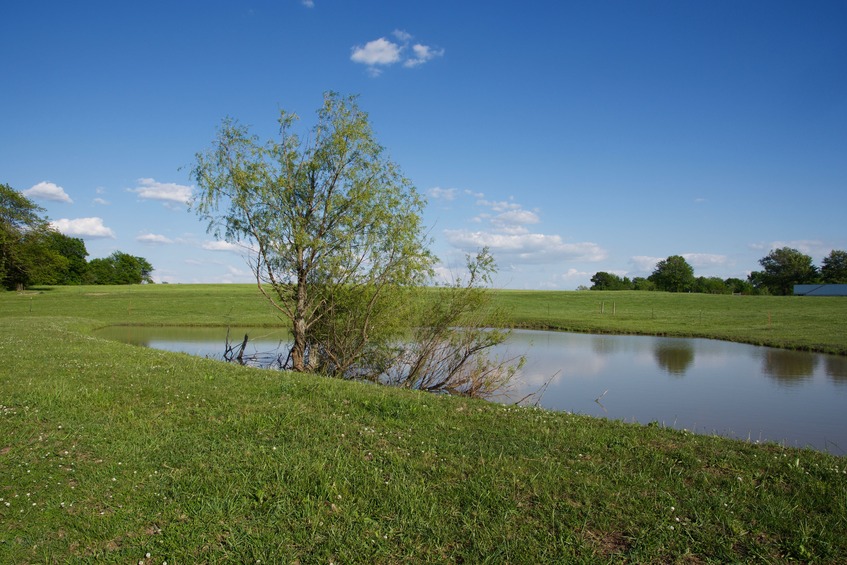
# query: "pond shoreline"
{"points": [[559, 328]]}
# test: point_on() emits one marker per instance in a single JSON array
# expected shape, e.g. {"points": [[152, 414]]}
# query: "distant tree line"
{"points": [[33, 253], [781, 270]]}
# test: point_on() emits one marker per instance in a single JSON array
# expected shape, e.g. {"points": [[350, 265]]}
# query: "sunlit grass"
{"points": [[110, 452], [809, 323]]}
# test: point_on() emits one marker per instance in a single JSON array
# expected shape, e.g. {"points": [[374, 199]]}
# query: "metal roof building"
{"points": [[820, 290]]}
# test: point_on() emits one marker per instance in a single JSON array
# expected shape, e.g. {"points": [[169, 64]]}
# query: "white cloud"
{"points": [[308, 3], [83, 227], [101, 201], [383, 52], [514, 221], [511, 217], [150, 189], [815, 248], [377, 52], [220, 245], [423, 54], [48, 191], [501, 206], [402, 35], [704, 260], [526, 247], [575, 273], [153, 238], [644, 263], [442, 193]]}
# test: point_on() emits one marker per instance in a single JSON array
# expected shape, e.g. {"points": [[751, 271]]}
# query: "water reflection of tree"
{"points": [[836, 369], [605, 345], [675, 358], [789, 367]]}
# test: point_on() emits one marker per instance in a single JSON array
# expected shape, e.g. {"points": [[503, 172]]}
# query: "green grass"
{"points": [[793, 322], [109, 452], [805, 323]]}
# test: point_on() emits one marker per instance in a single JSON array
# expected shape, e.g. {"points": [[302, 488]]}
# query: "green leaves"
{"points": [[333, 226]]}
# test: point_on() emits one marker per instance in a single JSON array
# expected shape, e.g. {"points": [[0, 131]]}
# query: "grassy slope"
{"points": [[810, 323], [108, 452]]}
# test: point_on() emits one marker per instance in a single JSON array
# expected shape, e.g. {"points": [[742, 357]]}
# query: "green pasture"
{"points": [[111, 453], [808, 323], [794, 322]]}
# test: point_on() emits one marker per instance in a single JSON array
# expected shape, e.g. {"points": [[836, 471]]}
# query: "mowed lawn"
{"points": [[114, 453]]}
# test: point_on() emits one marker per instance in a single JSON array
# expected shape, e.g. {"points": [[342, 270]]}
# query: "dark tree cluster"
{"points": [[673, 274], [782, 269], [33, 253]]}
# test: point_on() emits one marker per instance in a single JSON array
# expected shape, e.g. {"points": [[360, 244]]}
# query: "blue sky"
{"points": [[569, 137]]}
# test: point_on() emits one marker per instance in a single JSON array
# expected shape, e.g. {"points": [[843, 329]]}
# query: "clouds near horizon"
{"points": [[48, 191], [83, 227], [168, 192], [153, 238], [505, 232]]}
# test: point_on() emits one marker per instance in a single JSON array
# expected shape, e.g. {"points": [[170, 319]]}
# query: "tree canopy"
{"points": [[33, 253], [334, 228], [119, 268], [609, 281], [834, 267], [782, 269], [673, 274], [25, 254]]}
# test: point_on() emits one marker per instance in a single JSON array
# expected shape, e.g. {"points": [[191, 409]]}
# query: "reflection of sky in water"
{"points": [[707, 386], [704, 385]]}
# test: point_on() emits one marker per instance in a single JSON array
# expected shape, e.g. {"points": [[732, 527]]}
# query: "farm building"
{"points": [[820, 290]]}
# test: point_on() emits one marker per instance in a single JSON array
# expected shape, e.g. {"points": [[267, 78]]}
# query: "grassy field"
{"points": [[806, 323], [113, 453]]}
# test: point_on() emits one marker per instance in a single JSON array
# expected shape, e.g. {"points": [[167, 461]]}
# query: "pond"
{"points": [[705, 386]]}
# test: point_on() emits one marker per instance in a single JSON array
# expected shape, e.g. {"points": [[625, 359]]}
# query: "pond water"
{"points": [[706, 386]]}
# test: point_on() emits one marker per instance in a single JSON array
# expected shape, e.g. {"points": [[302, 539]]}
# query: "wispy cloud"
{"points": [[83, 227], [48, 191], [526, 247], [506, 216], [380, 53], [220, 245], [439, 193], [705, 260], [153, 238], [504, 229], [308, 3], [644, 263], [422, 54], [150, 189], [815, 248]]}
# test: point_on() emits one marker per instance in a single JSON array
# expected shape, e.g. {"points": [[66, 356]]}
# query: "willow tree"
{"points": [[333, 228]]}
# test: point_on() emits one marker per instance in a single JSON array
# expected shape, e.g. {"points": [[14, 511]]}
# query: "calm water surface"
{"points": [[707, 386]]}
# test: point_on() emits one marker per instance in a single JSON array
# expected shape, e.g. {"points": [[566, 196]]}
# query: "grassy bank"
{"points": [[109, 452], [806, 323]]}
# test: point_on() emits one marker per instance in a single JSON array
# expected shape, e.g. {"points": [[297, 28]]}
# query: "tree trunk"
{"points": [[298, 352]]}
